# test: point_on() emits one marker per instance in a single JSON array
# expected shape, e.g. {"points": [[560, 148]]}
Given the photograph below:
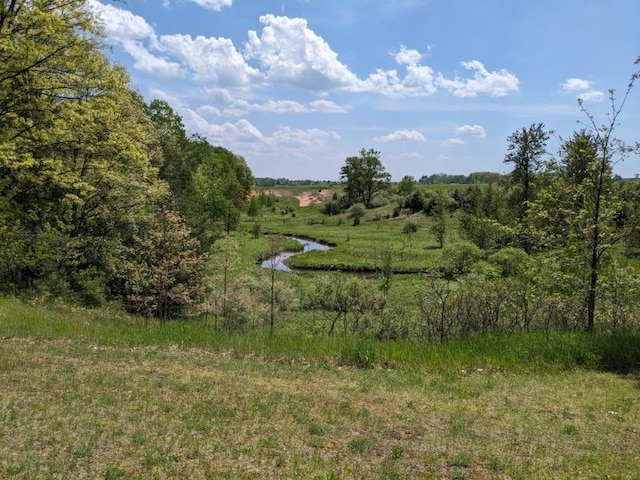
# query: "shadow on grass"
{"points": [[619, 353]]}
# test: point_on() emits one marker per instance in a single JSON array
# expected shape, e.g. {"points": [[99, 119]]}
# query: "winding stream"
{"points": [[278, 262]]}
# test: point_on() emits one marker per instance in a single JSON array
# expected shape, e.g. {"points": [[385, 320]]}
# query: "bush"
{"points": [[410, 227], [361, 354], [457, 259], [511, 261]]}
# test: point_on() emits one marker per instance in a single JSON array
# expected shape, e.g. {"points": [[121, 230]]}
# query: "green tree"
{"points": [[525, 150], [406, 186], [162, 269], [77, 153], [582, 208], [439, 225], [363, 177], [597, 216]]}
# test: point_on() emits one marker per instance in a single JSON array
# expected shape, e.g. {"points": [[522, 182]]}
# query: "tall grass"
{"points": [[535, 352]]}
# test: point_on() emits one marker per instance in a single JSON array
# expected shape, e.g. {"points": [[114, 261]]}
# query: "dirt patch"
{"points": [[311, 197]]}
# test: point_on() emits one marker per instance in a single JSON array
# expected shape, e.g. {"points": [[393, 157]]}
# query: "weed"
{"points": [[397, 452], [113, 473], [460, 459], [15, 468], [360, 445], [83, 451], [316, 429], [570, 429]]}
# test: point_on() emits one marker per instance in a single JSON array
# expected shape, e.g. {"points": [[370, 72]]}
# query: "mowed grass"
{"points": [[85, 397]]}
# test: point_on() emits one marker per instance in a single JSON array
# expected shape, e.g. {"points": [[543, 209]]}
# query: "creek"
{"points": [[278, 262]]}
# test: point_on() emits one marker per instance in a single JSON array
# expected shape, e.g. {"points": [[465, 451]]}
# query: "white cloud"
{"points": [[211, 59], [475, 130], [401, 135], [121, 24], [586, 93], [213, 4], [149, 63], [225, 104], [496, 84], [294, 138], [326, 106], [291, 53], [591, 96], [132, 32], [576, 84], [451, 142], [408, 56]]}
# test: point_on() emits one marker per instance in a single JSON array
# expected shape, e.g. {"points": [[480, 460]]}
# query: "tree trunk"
{"points": [[591, 296]]}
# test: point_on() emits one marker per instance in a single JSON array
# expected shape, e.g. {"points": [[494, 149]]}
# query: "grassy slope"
{"points": [[85, 396]]}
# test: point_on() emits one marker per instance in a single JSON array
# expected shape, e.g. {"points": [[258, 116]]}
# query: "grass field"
{"points": [[100, 394], [86, 395]]}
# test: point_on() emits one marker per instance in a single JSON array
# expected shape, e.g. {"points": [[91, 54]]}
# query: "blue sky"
{"points": [[296, 86]]}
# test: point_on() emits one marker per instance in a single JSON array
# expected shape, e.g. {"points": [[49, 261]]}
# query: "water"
{"points": [[278, 262]]}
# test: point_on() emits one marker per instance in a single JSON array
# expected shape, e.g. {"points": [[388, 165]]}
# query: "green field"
{"points": [[93, 395], [101, 394]]}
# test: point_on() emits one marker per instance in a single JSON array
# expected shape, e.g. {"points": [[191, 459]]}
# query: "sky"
{"points": [[436, 86]]}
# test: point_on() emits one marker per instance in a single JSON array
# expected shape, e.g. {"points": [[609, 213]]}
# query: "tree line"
{"points": [[101, 196]]}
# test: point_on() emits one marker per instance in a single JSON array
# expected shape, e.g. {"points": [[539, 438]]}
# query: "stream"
{"points": [[278, 262]]}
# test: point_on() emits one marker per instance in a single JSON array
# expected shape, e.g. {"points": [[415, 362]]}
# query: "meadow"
{"points": [[102, 394]]}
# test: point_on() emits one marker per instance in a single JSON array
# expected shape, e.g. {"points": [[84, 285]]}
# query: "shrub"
{"points": [[410, 227]]}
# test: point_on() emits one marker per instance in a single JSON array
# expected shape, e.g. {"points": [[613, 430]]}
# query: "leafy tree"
{"points": [[162, 269], [363, 177], [439, 225], [581, 208], [407, 185], [526, 147], [597, 216], [211, 184], [76, 149]]}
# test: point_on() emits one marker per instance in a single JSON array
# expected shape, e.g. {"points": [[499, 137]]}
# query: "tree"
{"points": [[407, 185], [363, 177], [162, 269], [526, 147], [439, 225], [77, 152], [601, 205], [582, 208]]}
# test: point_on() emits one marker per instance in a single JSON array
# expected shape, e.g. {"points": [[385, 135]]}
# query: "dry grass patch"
{"points": [[79, 411]]}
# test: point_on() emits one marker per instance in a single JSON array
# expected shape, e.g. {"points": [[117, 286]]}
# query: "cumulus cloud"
{"points": [[451, 142], [145, 61], [211, 59], [225, 104], [291, 53], [408, 56], [121, 24], [496, 83], [576, 84], [296, 138], [401, 135], [474, 130], [326, 106], [213, 4], [286, 51]]}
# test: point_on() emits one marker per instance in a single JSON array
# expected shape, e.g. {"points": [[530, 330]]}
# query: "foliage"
{"points": [[363, 177], [347, 299], [161, 270], [211, 184]]}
